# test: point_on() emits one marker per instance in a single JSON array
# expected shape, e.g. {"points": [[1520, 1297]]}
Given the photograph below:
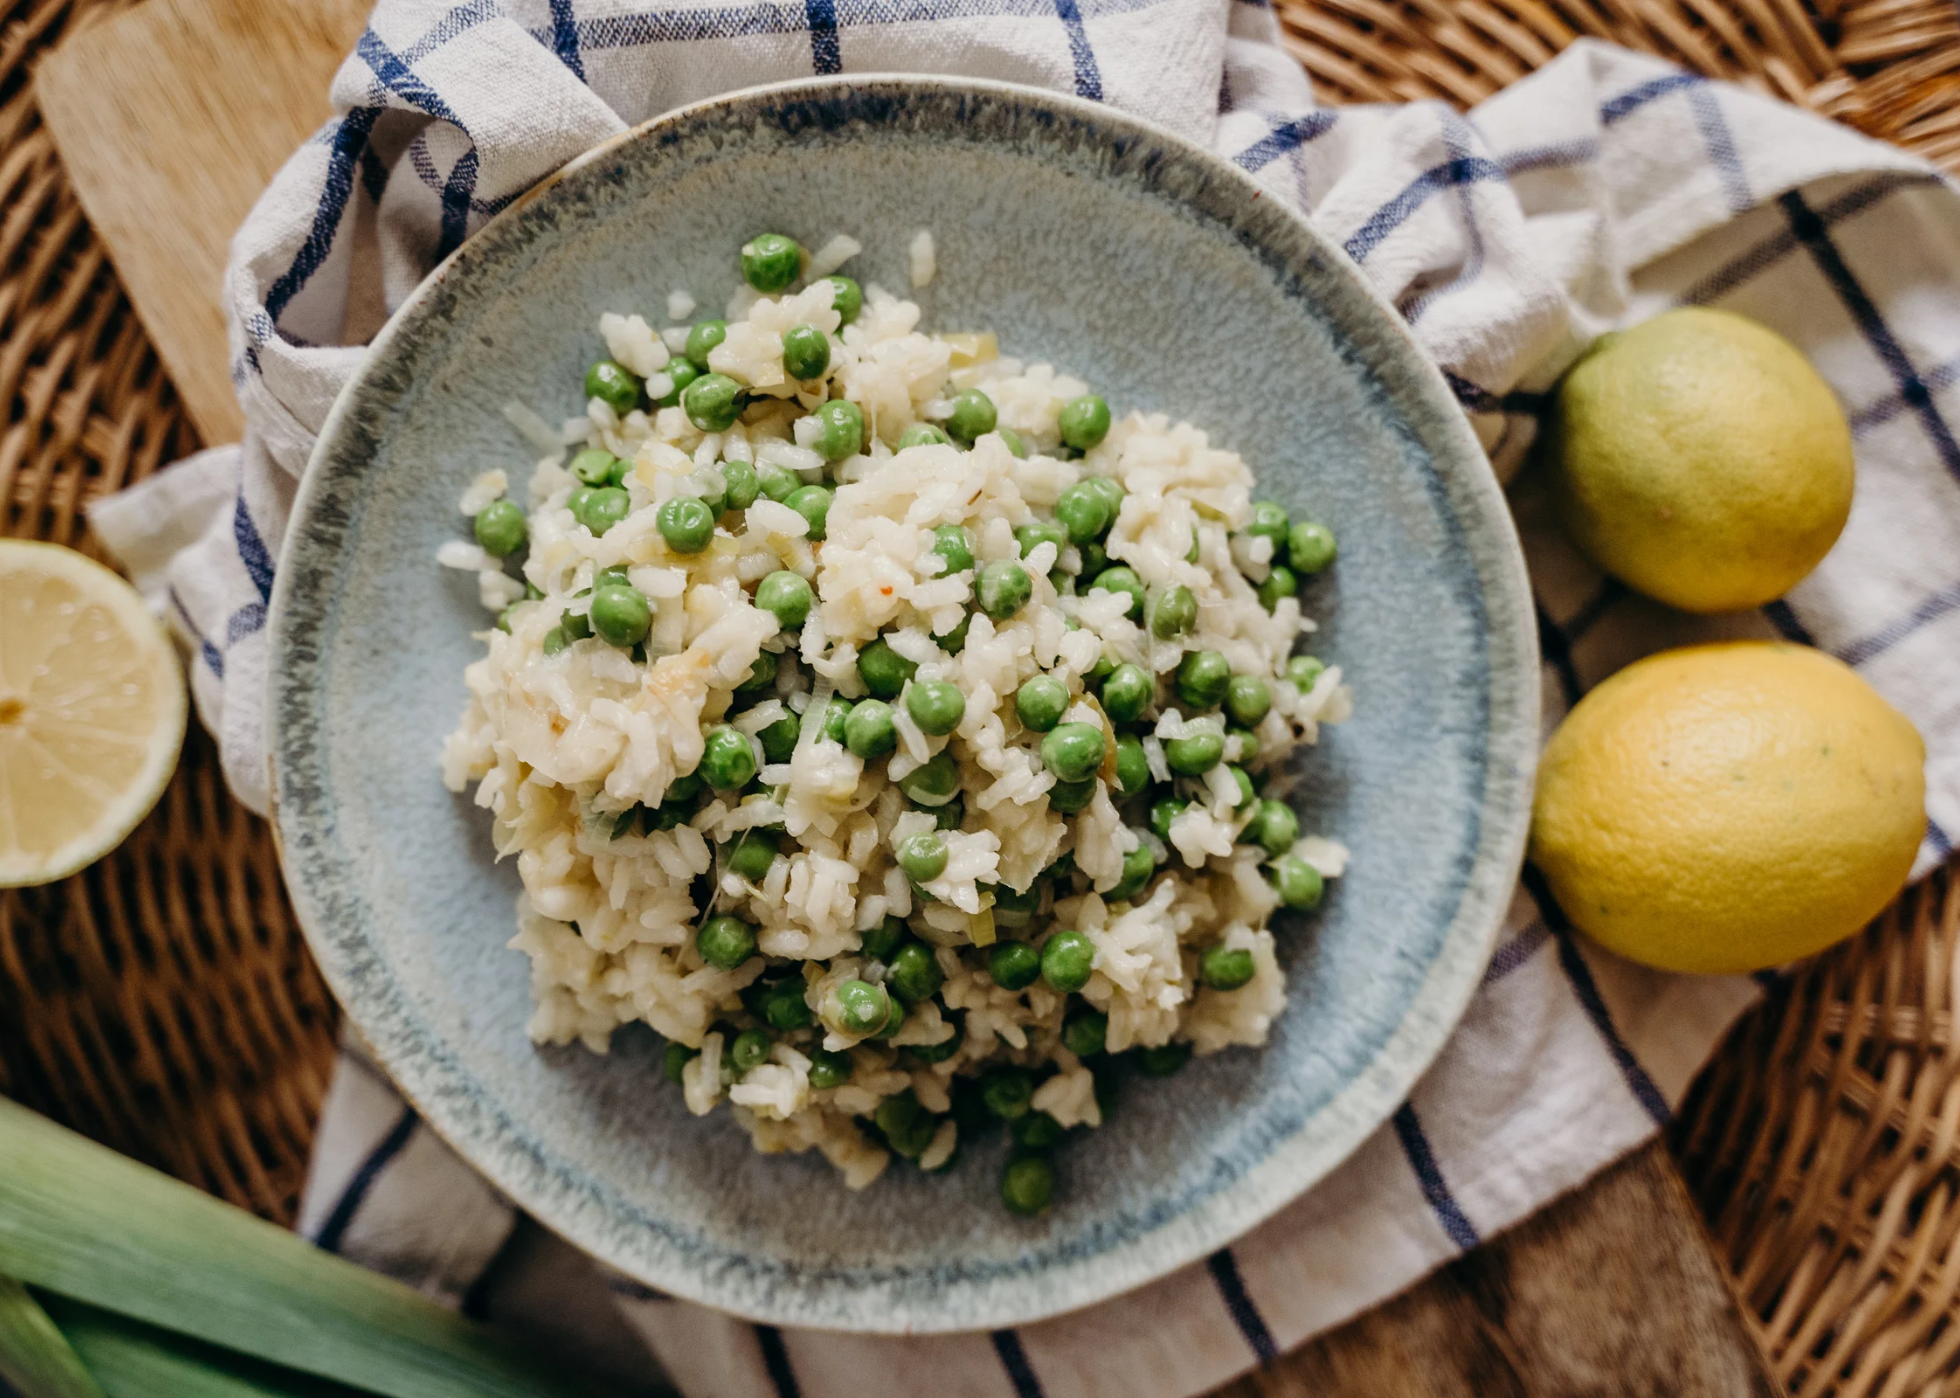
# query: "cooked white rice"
{"points": [[563, 748]]}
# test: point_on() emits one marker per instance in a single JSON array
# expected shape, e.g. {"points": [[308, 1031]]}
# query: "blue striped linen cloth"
{"points": [[1592, 194]]}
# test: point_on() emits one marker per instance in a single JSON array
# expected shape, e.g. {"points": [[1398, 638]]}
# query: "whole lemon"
{"points": [[1700, 459], [1728, 807]]}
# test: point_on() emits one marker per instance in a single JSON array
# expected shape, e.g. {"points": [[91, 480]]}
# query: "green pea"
{"points": [[503, 617], [750, 1049], [1127, 693], [1027, 1185], [1246, 789], [1303, 672], [846, 298], [677, 1057], [1269, 521], [1138, 865], [739, 485], [806, 352], [771, 262], [1172, 612], [1297, 882], [936, 706], [1083, 512], [725, 941], [1247, 700], [500, 528], [922, 856], [1309, 546], [1084, 421], [907, 1127], [750, 856], [1007, 1092], [1032, 536], [614, 385], [680, 372], [702, 339], [828, 1069], [859, 1007], [833, 718], [1195, 755], [779, 739], [841, 429], [621, 616], [615, 576], [1162, 1060], [1066, 961], [761, 676], [1013, 965], [1036, 1131], [776, 482], [1162, 813], [954, 641], [1066, 798], [1273, 827], [1073, 751], [787, 597], [869, 731], [955, 545], [973, 416], [933, 784], [1132, 767], [1225, 969], [712, 402], [883, 670], [727, 760], [593, 466], [1016, 447], [915, 973], [1004, 589], [1248, 742], [683, 788], [1202, 680], [1111, 492], [1041, 702], [578, 499], [1094, 561], [921, 434], [813, 503], [945, 1048], [575, 627], [1085, 1031], [882, 942], [602, 509], [1014, 910]]}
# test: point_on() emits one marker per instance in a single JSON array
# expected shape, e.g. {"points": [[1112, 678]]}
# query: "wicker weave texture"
{"points": [[164, 1003]]}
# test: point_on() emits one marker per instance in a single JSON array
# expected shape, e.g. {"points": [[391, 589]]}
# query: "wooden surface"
{"points": [[171, 118], [1612, 1292]]}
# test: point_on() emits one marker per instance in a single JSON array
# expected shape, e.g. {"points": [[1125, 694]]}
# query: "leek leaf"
{"points": [[34, 1358], [81, 1221]]}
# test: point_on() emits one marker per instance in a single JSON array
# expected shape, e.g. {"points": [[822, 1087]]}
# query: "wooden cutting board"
{"points": [[172, 117]]}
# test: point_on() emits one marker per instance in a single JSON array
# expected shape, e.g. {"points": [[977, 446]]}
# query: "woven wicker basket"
{"points": [[163, 1001]]}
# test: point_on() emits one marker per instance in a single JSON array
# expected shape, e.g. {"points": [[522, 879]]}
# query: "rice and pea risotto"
{"points": [[889, 728]]}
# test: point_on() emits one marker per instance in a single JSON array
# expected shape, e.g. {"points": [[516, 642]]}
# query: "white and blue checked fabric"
{"points": [[1590, 195]]}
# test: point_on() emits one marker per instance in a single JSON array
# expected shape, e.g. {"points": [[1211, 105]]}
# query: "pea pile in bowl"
{"points": [[887, 727]]}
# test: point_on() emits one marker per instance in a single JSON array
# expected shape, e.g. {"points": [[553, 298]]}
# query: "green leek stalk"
{"points": [[80, 1221], [35, 1358], [134, 1360]]}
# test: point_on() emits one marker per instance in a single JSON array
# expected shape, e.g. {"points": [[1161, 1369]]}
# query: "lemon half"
{"points": [[91, 711]]}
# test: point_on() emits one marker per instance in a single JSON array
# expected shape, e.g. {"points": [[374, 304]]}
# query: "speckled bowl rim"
{"points": [[461, 1110]]}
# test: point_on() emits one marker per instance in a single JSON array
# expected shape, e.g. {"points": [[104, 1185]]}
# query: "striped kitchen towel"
{"points": [[1592, 194]]}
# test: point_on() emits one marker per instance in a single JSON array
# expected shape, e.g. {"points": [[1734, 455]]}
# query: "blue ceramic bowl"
{"points": [[1082, 237]]}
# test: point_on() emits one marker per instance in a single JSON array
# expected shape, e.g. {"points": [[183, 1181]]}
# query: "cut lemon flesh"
{"points": [[91, 711]]}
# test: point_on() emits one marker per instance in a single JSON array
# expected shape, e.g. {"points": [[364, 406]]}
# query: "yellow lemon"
{"points": [[1700, 459], [91, 711], [1728, 807]]}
